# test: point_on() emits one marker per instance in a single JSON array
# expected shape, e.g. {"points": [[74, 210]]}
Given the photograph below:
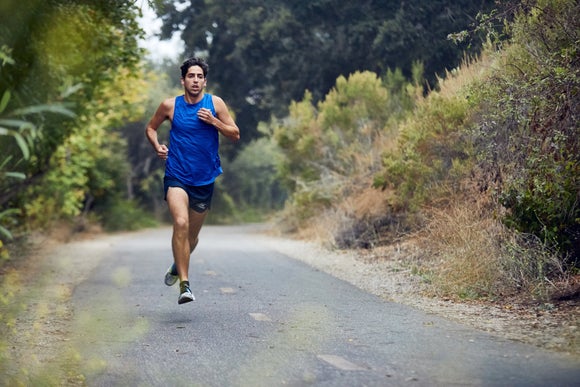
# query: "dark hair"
{"points": [[194, 62]]}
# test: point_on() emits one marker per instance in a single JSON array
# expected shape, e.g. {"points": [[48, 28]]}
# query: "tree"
{"points": [[267, 53], [70, 52], [15, 126]]}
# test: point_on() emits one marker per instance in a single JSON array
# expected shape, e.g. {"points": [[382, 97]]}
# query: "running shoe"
{"points": [[186, 294], [171, 275]]}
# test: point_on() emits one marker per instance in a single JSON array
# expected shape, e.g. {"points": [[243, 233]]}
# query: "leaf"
{"points": [[5, 100], [60, 109], [71, 90], [22, 144], [4, 232], [9, 211], [16, 175], [5, 161], [19, 140], [13, 123]]}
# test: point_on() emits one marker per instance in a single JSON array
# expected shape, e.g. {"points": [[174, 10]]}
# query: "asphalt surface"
{"points": [[264, 319]]}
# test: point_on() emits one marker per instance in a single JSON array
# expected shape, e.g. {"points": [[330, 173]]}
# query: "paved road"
{"points": [[264, 319]]}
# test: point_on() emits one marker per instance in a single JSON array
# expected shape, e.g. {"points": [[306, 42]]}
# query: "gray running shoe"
{"points": [[186, 294], [171, 276]]}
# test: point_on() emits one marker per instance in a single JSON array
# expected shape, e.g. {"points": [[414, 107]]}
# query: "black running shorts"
{"points": [[199, 196]]}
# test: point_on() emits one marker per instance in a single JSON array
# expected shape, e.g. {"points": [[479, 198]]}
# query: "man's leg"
{"points": [[194, 225], [196, 220], [178, 203]]}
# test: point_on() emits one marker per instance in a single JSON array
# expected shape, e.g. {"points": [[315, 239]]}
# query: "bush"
{"points": [[121, 215], [433, 153], [329, 149], [528, 133], [251, 179]]}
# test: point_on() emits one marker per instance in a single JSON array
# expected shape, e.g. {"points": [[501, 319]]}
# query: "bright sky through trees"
{"points": [[158, 50]]}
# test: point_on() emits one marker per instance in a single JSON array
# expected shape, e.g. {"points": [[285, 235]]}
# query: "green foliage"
{"points": [[71, 52], [91, 164], [251, 178], [528, 139], [331, 140], [326, 148], [511, 124], [283, 48], [25, 133], [432, 155], [122, 214], [14, 124], [224, 209], [5, 218], [296, 135], [63, 45], [403, 93], [351, 119]]}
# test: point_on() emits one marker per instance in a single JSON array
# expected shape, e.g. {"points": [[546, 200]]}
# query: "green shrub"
{"points": [[328, 147], [528, 134], [255, 186], [125, 215], [433, 152]]}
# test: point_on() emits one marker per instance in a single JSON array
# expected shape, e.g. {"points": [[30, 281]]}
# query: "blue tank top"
{"points": [[193, 145]]}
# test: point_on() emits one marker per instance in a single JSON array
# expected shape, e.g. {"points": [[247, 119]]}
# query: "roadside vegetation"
{"points": [[482, 173]]}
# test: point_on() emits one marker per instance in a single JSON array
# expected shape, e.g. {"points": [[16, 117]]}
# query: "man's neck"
{"points": [[191, 99]]}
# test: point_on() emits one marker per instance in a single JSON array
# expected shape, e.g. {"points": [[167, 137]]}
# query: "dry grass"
{"points": [[353, 221], [532, 266], [328, 224], [462, 239], [363, 218], [369, 202], [466, 253], [458, 80], [474, 255], [352, 198]]}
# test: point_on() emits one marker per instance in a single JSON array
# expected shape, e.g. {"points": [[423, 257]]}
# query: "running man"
{"points": [[192, 162]]}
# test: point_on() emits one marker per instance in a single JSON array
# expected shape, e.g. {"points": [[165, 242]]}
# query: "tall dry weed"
{"points": [[475, 255], [534, 267], [458, 80], [467, 256]]}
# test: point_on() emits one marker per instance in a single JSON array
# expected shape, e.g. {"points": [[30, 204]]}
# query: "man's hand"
{"points": [[162, 152], [206, 116]]}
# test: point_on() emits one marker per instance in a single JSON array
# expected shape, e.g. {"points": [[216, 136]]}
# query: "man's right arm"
{"points": [[164, 112]]}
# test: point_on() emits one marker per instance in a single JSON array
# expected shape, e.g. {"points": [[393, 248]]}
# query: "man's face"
{"points": [[194, 80]]}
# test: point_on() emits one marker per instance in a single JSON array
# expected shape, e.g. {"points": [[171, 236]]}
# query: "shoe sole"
{"points": [[170, 279], [185, 299]]}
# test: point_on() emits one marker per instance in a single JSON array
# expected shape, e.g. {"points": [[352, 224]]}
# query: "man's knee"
{"points": [[181, 223]]}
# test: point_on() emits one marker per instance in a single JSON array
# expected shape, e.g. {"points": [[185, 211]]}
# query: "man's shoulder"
{"points": [[217, 101], [170, 102]]}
